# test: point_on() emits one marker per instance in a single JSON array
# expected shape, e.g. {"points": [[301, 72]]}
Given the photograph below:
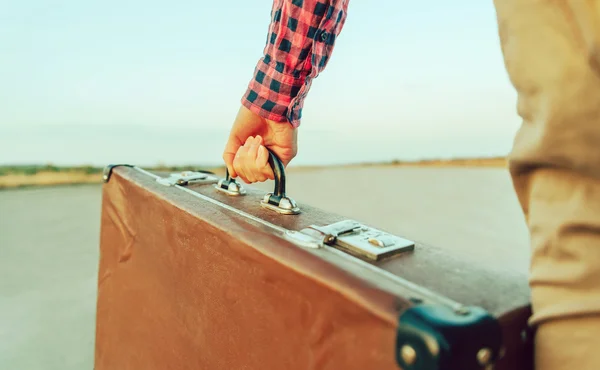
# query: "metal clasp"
{"points": [[186, 178], [280, 203], [229, 186], [362, 241]]}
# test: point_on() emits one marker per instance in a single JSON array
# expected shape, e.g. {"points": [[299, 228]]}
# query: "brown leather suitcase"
{"points": [[198, 273]]}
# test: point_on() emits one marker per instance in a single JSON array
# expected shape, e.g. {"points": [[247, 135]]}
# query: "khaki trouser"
{"points": [[552, 55]]}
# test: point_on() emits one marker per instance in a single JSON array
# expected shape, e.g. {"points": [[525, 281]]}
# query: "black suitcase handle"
{"points": [[278, 172], [278, 200]]}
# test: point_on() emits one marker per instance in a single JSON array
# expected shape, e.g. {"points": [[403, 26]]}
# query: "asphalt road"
{"points": [[48, 267]]}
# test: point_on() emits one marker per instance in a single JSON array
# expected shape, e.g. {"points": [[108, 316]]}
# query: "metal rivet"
{"points": [[462, 310], [415, 300], [408, 354], [484, 356], [524, 336], [376, 242], [502, 352]]}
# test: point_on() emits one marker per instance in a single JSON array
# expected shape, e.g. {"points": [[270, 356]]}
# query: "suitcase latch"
{"points": [[362, 241], [186, 178]]}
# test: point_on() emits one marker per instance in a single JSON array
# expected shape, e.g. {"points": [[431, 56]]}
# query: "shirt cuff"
{"points": [[274, 95]]}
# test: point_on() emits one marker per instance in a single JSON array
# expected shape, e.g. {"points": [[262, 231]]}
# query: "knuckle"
{"points": [[238, 169]]}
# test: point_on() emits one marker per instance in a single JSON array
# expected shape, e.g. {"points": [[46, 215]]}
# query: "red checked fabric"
{"points": [[300, 42]]}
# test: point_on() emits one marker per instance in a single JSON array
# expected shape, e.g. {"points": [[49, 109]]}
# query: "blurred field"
{"points": [[48, 175], [49, 243], [48, 179], [12, 177]]}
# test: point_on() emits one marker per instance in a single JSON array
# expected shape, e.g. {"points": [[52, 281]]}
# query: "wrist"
{"points": [[274, 95]]}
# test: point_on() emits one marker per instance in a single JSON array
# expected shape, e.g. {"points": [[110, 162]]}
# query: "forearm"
{"points": [[300, 42]]}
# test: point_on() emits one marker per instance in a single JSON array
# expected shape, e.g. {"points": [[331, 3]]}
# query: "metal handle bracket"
{"points": [[278, 201], [229, 186]]}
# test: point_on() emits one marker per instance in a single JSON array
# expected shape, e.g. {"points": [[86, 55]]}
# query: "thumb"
{"points": [[231, 149]]}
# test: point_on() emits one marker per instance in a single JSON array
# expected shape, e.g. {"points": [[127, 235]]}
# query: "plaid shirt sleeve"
{"points": [[300, 42]]}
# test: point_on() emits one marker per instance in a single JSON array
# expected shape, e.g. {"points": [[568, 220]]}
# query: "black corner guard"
{"points": [[432, 337], [108, 170]]}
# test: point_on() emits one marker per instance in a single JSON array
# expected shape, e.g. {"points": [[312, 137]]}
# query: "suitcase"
{"points": [[197, 272]]}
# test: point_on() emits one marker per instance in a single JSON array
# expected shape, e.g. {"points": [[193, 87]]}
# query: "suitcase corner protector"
{"points": [[441, 338]]}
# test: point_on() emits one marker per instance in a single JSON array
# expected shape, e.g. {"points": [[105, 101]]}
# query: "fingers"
{"points": [[262, 161], [251, 161], [246, 124], [246, 159]]}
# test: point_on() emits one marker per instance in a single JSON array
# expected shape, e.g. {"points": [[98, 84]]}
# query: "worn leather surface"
{"points": [[503, 292], [432, 267], [186, 284]]}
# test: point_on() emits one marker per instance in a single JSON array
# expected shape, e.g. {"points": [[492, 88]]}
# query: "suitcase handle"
{"points": [[278, 172], [278, 200], [232, 187]]}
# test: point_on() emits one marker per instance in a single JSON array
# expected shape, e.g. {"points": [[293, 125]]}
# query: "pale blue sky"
{"points": [[428, 74]]}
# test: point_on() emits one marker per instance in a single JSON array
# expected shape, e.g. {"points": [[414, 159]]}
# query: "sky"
{"points": [[406, 79]]}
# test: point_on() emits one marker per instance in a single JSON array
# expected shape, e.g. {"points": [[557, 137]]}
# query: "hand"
{"points": [[246, 154]]}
